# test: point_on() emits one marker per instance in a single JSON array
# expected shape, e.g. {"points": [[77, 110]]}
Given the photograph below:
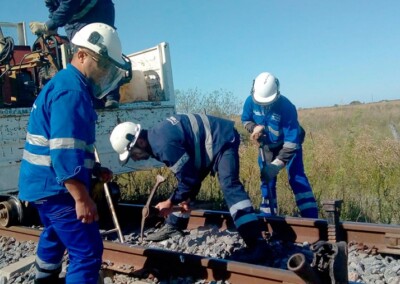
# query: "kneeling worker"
{"points": [[193, 146]]}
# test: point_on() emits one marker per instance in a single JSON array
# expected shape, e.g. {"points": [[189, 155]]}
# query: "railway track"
{"points": [[142, 261]]}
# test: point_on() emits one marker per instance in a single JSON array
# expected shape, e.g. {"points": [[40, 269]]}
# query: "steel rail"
{"points": [[141, 260]]}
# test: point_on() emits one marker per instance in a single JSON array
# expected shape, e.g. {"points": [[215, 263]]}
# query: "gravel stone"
{"points": [[209, 241]]}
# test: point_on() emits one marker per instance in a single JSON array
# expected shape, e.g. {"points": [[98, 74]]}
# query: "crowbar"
{"points": [[146, 209], [110, 205]]}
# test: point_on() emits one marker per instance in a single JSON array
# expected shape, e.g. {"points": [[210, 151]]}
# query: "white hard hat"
{"points": [[123, 138], [102, 39], [265, 88]]}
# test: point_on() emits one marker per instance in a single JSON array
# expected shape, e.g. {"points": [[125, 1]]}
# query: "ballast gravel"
{"points": [[363, 265]]}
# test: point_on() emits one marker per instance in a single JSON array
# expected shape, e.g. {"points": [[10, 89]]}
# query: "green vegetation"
{"points": [[351, 153]]}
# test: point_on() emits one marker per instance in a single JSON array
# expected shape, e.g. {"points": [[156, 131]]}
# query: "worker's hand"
{"points": [[39, 28], [270, 171], [185, 206], [165, 208], [257, 132], [86, 210], [102, 173]]}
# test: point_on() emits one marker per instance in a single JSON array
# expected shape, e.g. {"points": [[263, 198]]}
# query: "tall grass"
{"points": [[350, 153]]}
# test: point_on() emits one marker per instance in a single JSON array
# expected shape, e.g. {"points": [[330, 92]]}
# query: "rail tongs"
{"points": [[146, 209]]}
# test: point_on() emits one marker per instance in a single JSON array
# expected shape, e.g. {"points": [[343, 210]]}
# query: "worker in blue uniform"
{"points": [[74, 15], [193, 146], [272, 121], [58, 158]]}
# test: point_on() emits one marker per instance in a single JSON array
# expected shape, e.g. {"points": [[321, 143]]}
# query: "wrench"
{"points": [[146, 209]]}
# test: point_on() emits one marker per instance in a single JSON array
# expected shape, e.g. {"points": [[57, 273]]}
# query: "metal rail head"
{"points": [[146, 209]]}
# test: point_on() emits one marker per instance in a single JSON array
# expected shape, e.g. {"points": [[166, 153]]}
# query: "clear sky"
{"points": [[323, 52]]}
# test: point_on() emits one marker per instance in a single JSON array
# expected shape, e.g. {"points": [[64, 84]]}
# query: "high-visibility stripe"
{"points": [[290, 145], [240, 206], [180, 163], [58, 143], [307, 205], [207, 142], [40, 160], [37, 140], [245, 219], [273, 131], [45, 160], [88, 163], [303, 195], [195, 129], [67, 143]]}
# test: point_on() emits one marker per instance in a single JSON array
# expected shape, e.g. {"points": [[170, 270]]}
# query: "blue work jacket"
{"points": [[60, 137], [282, 129], [189, 145]]}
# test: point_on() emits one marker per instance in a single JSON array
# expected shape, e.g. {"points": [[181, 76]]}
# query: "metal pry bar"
{"points": [[146, 209], [110, 205]]}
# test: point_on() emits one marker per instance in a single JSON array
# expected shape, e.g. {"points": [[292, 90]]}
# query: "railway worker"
{"points": [[74, 15], [272, 121], [58, 159], [193, 146]]}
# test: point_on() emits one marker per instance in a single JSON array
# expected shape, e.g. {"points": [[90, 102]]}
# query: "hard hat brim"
{"points": [[265, 101], [123, 158]]}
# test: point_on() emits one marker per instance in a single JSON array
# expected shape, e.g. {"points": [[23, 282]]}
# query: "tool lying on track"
{"points": [[111, 206], [146, 209]]}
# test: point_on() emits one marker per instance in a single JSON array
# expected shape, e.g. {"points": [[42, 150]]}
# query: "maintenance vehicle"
{"points": [[147, 98]]}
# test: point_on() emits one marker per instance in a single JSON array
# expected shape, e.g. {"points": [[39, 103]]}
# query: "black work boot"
{"points": [[260, 253], [52, 279]]}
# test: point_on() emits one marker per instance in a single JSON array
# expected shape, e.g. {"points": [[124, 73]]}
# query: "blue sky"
{"points": [[323, 52]]}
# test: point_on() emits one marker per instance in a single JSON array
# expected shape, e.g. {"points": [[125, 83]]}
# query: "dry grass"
{"points": [[350, 153]]}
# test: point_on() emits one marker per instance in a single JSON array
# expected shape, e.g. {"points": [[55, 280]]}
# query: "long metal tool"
{"points": [[110, 206], [264, 163], [146, 209]]}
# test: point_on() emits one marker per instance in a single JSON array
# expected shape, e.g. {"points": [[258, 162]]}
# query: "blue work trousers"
{"points": [[299, 183], [226, 165], [63, 231]]}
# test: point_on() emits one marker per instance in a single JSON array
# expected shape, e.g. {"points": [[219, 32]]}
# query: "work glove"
{"points": [[257, 132], [270, 171], [39, 29]]}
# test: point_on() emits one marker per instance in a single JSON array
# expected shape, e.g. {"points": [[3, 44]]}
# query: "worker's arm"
{"points": [[85, 207], [247, 115], [61, 15]]}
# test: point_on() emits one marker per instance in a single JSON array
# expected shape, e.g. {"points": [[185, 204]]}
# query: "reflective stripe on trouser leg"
{"points": [[265, 194], [236, 197], [45, 270], [264, 190], [301, 187], [63, 230]]}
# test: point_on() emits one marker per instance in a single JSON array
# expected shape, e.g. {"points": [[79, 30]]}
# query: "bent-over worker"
{"points": [[193, 146]]}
